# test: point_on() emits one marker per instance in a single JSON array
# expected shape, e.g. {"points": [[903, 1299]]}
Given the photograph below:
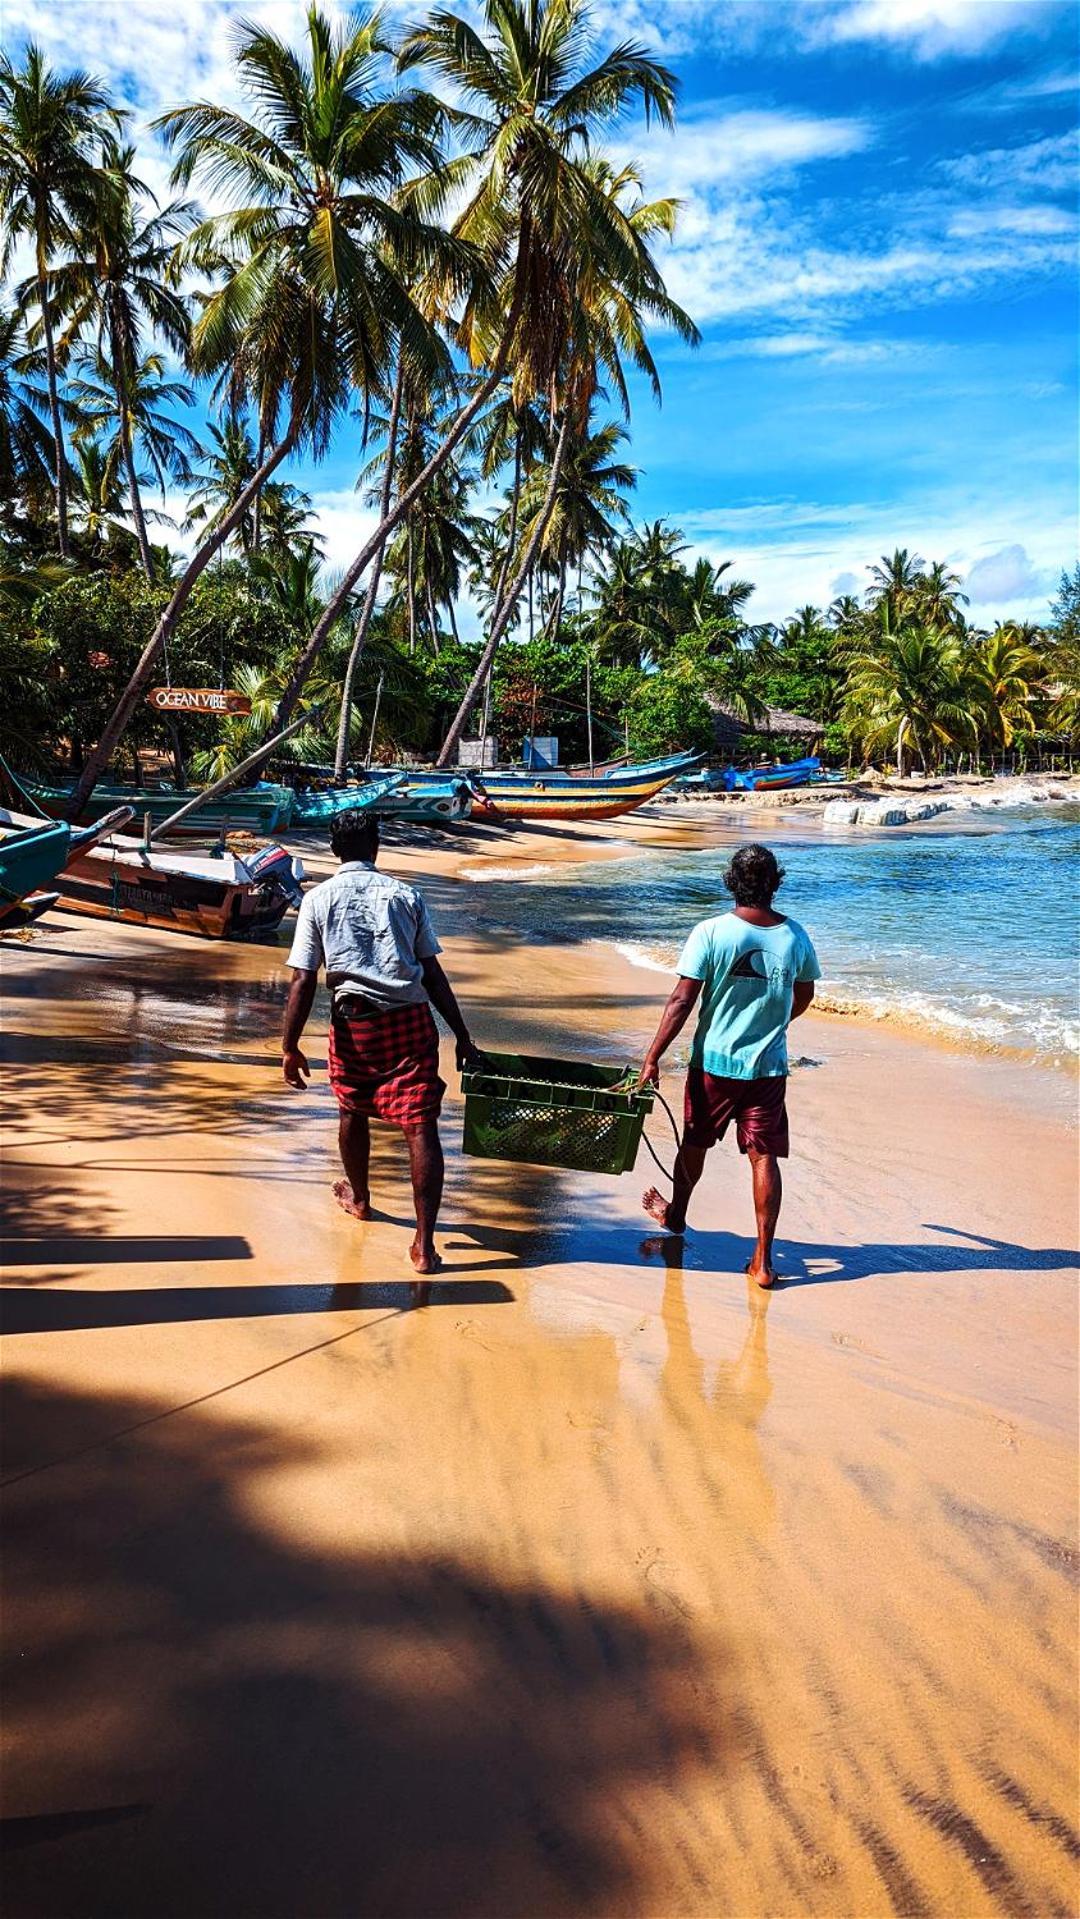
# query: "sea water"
{"points": [[973, 932]]}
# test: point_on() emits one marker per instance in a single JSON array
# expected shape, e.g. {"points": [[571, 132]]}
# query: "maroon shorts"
{"points": [[758, 1107], [386, 1065]]}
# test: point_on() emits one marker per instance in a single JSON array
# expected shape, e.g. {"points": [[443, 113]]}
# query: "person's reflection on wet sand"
{"points": [[728, 1418]]}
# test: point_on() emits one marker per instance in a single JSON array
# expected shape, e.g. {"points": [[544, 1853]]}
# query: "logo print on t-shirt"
{"points": [[744, 967]]}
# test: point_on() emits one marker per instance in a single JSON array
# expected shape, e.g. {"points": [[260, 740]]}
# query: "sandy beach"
{"points": [[602, 1585]]}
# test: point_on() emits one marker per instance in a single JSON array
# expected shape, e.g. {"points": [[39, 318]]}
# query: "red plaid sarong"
{"points": [[386, 1065]]}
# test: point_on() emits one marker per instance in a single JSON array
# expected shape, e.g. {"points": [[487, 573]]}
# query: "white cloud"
{"points": [[824, 348], [809, 551], [1006, 577], [973, 222], [344, 522], [929, 29], [1045, 166]]}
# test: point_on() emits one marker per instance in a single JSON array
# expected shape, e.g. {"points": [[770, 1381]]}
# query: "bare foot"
{"points": [[425, 1259], [659, 1208], [765, 1274], [356, 1208]]}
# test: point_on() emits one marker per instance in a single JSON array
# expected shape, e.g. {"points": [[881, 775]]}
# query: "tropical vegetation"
{"points": [[422, 246]]}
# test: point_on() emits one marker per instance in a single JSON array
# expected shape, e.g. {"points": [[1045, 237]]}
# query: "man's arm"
{"points": [[801, 995], [297, 1008], [684, 998], [441, 994]]}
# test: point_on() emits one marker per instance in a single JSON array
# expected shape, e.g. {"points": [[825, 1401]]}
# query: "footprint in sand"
{"points": [[1008, 1435], [850, 1344]]}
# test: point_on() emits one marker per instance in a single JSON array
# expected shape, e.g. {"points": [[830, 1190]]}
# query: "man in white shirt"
{"points": [[373, 935]]}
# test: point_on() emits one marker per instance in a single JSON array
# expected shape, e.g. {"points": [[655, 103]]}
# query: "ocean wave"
{"points": [[984, 1022], [641, 956], [1041, 1031], [505, 872]]}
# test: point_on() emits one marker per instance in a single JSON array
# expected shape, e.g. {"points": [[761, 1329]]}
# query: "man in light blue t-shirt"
{"points": [[753, 972]]}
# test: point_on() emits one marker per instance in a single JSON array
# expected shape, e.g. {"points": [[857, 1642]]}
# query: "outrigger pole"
{"points": [[230, 779]]}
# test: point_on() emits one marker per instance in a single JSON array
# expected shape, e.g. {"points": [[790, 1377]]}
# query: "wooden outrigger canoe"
{"points": [[575, 794], [422, 798], [212, 896], [34, 854], [261, 809]]}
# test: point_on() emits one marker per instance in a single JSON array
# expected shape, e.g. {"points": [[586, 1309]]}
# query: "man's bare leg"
{"points": [[353, 1194], [426, 1166], [768, 1192], [671, 1213]]}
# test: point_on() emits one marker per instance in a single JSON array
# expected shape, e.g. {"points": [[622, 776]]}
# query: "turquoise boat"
{"points": [[262, 809], [33, 855], [28, 861], [421, 799], [317, 807]]}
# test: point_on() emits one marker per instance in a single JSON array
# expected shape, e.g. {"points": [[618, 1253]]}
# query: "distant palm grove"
{"points": [[420, 247]]}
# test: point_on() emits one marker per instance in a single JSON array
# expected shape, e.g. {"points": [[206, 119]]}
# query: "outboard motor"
{"points": [[278, 870]]}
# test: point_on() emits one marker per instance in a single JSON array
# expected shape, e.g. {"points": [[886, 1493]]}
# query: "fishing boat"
{"points": [[316, 807], [575, 793], [33, 856], [770, 779], [406, 794], [28, 861], [262, 808], [216, 896]]}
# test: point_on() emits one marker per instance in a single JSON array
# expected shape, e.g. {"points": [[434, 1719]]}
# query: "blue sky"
{"points": [[878, 241]]}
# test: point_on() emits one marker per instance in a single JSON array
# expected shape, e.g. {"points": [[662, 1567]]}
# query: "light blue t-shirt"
{"points": [[748, 973]]}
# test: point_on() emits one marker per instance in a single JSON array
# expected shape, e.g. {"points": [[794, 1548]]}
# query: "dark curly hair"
{"points": [[354, 836], [753, 876]]}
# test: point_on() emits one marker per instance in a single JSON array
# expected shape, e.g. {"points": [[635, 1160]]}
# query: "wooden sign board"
{"points": [[197, 699]]}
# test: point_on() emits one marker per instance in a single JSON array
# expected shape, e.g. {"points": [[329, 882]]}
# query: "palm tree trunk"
{"points": [[432, 621], [256, 527], [410, 587], [406, 498], [100, 755], [341, 756], [453, 622], [502, 618], [59, 454], [123, 408], [511, 536]]}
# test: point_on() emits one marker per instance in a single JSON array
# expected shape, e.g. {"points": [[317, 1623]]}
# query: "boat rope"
{"points": [[16, 787], [657, 1161]]}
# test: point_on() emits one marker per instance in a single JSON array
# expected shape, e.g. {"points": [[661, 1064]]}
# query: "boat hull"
{"points": [[260, 809], [118, 887], [174, 892], [571, 799], [400, 796], [29, 860]]}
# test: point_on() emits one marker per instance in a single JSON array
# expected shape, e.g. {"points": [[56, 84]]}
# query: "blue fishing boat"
{"points": [[419, 797], [33, 853]]}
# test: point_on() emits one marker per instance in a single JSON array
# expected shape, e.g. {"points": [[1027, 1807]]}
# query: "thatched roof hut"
{"points": [[729, 729]]}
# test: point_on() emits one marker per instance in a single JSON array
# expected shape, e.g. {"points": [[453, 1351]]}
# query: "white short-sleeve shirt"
{"points": [[370, 932]]}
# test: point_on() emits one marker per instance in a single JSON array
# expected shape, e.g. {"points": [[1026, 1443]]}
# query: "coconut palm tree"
{"points": [[317, 175], [1006, 673], [305, 308], [587, 508], [908, 690], [26, 450], [939, 595], [897, 578], [228, 469], [48, 126], [554, 224], [142, 393], [115, 288]]}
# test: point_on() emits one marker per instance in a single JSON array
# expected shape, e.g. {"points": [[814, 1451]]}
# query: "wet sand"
{"points": [[602, 1585]]}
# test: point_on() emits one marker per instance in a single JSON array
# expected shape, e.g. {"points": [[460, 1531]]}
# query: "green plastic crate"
{"points": [[553, 1112]]}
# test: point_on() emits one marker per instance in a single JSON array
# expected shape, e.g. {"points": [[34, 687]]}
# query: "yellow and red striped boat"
{"points": [[574, 793]]}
